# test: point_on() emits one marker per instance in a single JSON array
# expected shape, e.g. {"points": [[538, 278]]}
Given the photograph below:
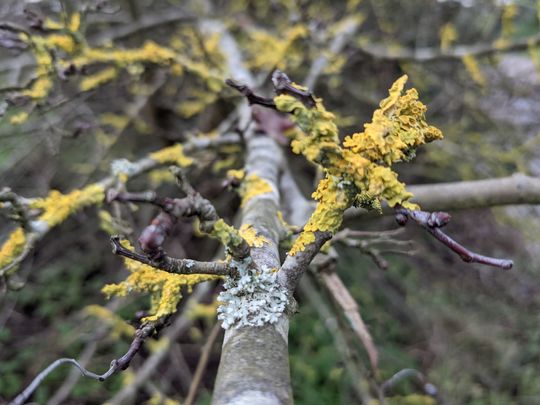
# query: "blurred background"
{"points": [[473, 331]]}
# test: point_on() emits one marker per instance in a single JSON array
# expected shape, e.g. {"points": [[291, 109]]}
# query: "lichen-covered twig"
{"points": [[433, 221]]}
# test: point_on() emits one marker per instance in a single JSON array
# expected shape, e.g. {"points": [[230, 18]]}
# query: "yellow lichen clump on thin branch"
{"points": [[357, 171], [172, 155], [57, 207], [13, 247], [164, 288]]}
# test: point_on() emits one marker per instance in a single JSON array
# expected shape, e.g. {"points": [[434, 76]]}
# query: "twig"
{"points": [[433, 221], [250, 95], [427, 387], [341, 295], [23, 396], [201, 365], [172, 265], [179, 326], [141, 334], [327, 314], [284, 85]]}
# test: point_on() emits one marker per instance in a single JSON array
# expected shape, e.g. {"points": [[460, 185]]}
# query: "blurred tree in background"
{"points": [[92, 89]]}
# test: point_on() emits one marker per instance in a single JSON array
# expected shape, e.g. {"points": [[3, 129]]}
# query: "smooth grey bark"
{"points": [[254, 365]]}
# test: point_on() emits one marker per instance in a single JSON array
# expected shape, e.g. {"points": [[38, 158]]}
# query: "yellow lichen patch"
{"points": [[357, 171], [507, 19], [197, 100], [226, 234], [57, 207], [12, 247], [251, 237], [116, 121], [471, 64], [160, 176], [39, 88], [119, 327], [60, 41], [448, 35], [237, 174], [165, 288], [150, 52], [303, 240], [317, 123], [253, 186], [224, 163], [74, 22], [19, 118], [173, 155], [98, 79], [265, 49], [397, 127], [106, 222], [333, 200]]}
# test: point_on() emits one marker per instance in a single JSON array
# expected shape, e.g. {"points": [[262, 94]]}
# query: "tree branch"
{"points": [[172, 265], [433, 221], [381, 52], [145, 331]]}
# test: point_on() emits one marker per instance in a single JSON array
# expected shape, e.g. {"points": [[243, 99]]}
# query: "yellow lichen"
{"points": [[448, 35], [165, 288], [358, 170], [251, 237], [226, 234], [508, 15], [237, 174], [396, 128], [19, 118], [160, 176], [328, 215], [173, 155], [12, 247], [60, 41], [74, 22], [224, 163], [472, 67], [57, 207], [116, 121], [253, 186], [265, 49], [98, 79]]}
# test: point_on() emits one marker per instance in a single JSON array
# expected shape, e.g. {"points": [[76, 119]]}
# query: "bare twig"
{"points": [[427, 387], [341, 295], [433, 221], [251, 97], [201, 365], [122, 363]]}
